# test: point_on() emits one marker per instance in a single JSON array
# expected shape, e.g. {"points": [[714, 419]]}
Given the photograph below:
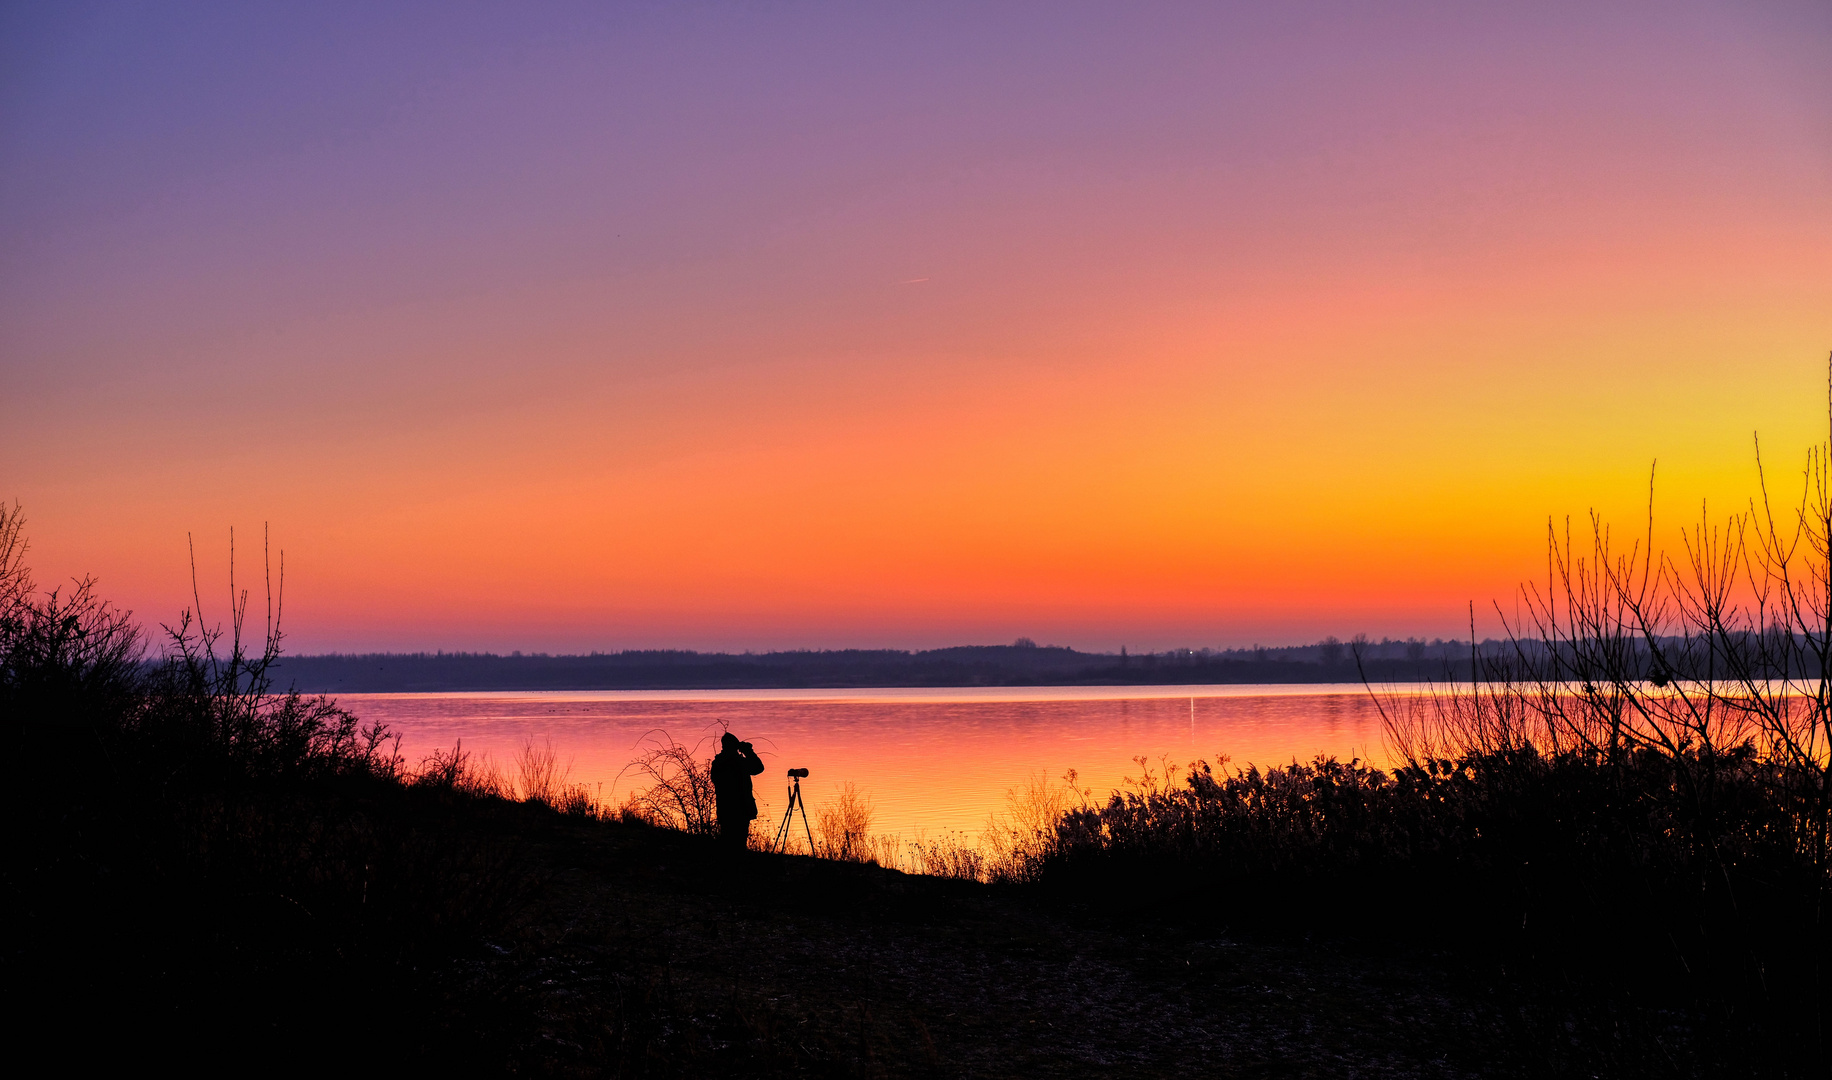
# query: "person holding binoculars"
{"points": [[732, 769]]}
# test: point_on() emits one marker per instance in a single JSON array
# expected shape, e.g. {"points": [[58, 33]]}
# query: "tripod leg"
{"points": [[782, 833], [804, 810], [789, 829]]}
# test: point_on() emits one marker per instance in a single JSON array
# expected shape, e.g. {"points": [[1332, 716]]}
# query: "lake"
{"points": [[933, 762]]}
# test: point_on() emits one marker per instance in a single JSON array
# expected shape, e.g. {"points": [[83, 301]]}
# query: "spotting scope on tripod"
{"points": [[795, 802]]}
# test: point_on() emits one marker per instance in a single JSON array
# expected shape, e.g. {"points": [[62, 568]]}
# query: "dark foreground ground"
{"points": [[646, 953], [621, 950]]}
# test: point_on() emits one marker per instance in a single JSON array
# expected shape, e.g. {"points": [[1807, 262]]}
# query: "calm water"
{"points": [[933, 762]]}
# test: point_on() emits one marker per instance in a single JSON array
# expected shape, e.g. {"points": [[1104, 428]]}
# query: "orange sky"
{"points": [[1251, 331]]}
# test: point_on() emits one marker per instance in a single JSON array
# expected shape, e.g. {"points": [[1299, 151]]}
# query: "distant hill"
{"points": [[1021, 664]]}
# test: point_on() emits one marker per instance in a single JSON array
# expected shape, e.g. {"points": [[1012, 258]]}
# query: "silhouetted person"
{"points": [[731, 771]]}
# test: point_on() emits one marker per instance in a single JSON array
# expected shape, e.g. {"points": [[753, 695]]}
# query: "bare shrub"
{"points": [[459, 770], [219, 684], [69, 658], [1718, 659], [679, 794], [15, 576], [65, 657]]}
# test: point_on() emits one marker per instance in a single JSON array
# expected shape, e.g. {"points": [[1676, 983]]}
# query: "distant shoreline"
{"points": [[962, 667], [936, 695]]}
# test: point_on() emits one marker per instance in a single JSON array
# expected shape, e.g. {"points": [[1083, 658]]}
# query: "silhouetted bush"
{"points": [[201, 864], [679, 792], [1635, 794]]}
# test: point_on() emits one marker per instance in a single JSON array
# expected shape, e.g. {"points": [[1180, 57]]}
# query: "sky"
{"points": [[738, 326]]}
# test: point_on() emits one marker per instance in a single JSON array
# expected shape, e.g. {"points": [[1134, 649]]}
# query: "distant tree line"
{"points": [[1023, 663]]}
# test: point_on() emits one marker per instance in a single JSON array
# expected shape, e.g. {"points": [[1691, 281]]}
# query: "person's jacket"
{"points": [[731, 781]]}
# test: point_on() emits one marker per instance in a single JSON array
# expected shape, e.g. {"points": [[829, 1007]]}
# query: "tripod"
{"points": [[795, 800]]}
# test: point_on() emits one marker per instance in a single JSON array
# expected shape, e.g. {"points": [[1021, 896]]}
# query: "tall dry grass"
{"points": [[843, 831], [843, 827], [951, 856]]}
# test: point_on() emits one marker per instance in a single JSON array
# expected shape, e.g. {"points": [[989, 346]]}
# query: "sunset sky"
{"points": [[576, 327]]}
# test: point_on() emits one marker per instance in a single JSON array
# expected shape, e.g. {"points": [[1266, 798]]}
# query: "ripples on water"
{"points": [[933, 762]]}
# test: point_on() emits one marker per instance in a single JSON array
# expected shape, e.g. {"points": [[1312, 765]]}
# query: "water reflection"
{"points": [[932, 761]]}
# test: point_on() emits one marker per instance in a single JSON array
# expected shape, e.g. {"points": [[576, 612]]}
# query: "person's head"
{"points": [[728, 741]]}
